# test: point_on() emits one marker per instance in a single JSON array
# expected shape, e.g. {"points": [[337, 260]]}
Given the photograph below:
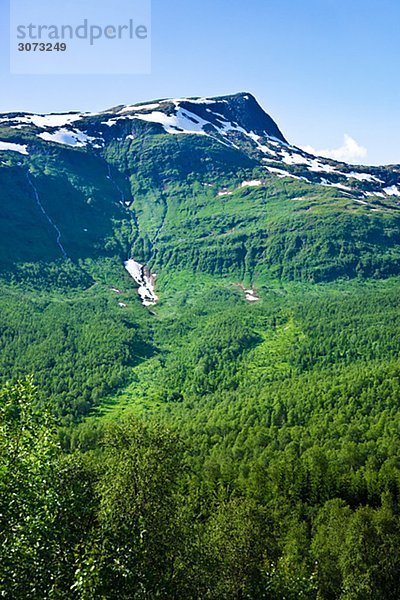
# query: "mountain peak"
{"points": [[238, 112], [244, 110], [221, 116], [236, 121]]}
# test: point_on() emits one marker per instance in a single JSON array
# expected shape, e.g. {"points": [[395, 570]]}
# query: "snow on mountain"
{"points": [[363, 177], [393, 190], [252, 183], [41, 121], [145, 281], [181, 122], [68, 137], [10, 147], [293, 162], [236, 121], [139, 107]]}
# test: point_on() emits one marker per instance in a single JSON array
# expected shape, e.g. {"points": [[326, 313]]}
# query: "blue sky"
{"points": [[323, 69]]}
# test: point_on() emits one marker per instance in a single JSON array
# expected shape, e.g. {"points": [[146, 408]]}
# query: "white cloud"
{"points": [[351, 151]]}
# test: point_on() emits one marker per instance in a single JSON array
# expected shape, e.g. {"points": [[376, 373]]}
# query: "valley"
{"points": [[199, 359]]}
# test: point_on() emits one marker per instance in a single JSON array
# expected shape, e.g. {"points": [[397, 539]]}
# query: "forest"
{"points": [[240, 438], [226, 450]]}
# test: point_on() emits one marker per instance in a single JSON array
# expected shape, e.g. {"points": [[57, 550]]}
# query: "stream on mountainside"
{"points": [[139, 273], [48, 218]]}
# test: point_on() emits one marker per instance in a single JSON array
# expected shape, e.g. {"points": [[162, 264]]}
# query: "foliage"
{"points": [[258, 453]]}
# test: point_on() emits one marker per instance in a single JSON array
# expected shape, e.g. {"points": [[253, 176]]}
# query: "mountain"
{"points": [[209, 184], [213, 317]]}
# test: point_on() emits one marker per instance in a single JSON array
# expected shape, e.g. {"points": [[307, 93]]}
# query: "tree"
{"points": [[138, 539], [28, 502]]}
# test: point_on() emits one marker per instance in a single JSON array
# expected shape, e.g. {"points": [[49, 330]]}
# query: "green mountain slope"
{"points": [[228, 410], [185, 187], [166, 186]]}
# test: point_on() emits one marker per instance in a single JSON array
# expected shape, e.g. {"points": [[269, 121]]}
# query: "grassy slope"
{"points": [[203, 246], [177, 219], [291, 402], [210, 342]]}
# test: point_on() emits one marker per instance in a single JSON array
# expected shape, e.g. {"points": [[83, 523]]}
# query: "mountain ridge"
{"points": [[237, 120], [206, 184], [231, 425]]}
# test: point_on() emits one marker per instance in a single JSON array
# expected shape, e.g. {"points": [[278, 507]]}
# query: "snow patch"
{"points": [[182, 122], [252, 183], [177, 101], [363, 177], [282, 173], [327, 183], [294, 159], [133, 108], [44, 121], [251, 296], [318, 167], [393, 190], [112, 122], [67, 137], [265, 150], [10, 147], [380, 194], [144, 279]]}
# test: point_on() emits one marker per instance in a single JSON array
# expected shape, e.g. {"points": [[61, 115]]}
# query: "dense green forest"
{"points": [[251, 452], [238, 439]]}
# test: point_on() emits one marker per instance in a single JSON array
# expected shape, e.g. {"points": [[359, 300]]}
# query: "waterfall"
{"points": [[48, 218]]}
